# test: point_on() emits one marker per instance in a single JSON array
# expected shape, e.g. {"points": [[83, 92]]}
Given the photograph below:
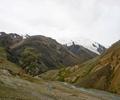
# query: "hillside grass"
{"points": [[5, 64]]}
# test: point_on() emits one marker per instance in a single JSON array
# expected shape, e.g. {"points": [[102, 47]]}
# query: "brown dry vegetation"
{"points": [[101, 72]]}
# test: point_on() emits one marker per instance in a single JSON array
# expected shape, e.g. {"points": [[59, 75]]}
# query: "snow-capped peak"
{"points": [[89, 44]]}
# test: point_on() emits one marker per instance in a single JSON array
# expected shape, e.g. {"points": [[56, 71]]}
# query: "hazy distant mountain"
{"points": [[88, 44], [81, 51]]}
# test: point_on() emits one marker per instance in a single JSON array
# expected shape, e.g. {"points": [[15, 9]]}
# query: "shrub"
{"points": [[29, 60]]}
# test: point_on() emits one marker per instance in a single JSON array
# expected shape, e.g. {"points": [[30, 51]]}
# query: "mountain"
{"points": [[88, 44], [33, 55], [37, 54], [10, 39], [48, 53], [81, 51], [102, 72]]}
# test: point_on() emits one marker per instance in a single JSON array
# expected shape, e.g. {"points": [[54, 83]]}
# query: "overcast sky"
{"points": [[98, 20]]}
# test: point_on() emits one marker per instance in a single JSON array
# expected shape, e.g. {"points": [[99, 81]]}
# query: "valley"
{"points": [[40, 68]]}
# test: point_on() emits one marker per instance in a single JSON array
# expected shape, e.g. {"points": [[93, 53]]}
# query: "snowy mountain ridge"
{"points": [[89, 44]]}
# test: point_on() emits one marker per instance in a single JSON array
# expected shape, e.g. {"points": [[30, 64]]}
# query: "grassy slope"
{"points": [[5, 64], [102, 72], [28, 88], [70, 74]]}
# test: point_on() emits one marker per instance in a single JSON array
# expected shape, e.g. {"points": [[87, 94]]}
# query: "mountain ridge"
{"points": [[88, 44]]}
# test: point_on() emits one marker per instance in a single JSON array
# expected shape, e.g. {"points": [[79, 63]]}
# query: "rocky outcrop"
{"points": [[10, 39]]}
